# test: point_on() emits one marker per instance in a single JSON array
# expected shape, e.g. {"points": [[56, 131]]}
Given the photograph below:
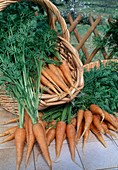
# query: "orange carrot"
{"points": [[80, 114], [40, 114], [57, 81], [113, 117], [54, 69], [48, 77], [106, 130], [40, 136], [26, 119], [50, 135], [111, 127], [71, 134], [88, 117], [20, 137], [8, 131], [110, 119], [60, 132], [66, 71], [79, 133], [10, 121], [86, 136], [31, 140], [98, 134], [74, 121], [48, 84], [61, 74], [97, 123], [97, 110], [8, 138]]}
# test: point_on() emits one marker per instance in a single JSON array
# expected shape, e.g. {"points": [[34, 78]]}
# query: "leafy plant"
{"points": [[109, 39], [100, 88], [27, 42]]}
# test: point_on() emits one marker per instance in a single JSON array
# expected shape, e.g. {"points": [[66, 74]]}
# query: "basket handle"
{"points": [[51, 11]]}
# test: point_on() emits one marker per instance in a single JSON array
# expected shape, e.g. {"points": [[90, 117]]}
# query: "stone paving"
{"points": [[94, 156]]}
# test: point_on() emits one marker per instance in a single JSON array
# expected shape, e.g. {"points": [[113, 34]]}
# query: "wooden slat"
{"points": [[77, 35], [95, 31], [89, 32]]}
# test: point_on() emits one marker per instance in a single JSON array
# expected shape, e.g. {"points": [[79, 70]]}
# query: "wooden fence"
{"points": [[81, 40]]}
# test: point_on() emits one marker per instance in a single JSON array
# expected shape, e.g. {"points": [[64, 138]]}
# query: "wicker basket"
{"points": [[97, 63], [66, 50]]}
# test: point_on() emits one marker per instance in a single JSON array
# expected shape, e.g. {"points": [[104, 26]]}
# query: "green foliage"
{"points": [[109, 39], [26, 43], [101, 88]]}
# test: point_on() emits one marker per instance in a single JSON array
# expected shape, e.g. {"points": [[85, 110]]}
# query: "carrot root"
{"points": [[40, 136], [20, 137]]}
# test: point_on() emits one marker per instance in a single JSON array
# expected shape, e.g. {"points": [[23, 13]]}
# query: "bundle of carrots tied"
{"points": [[60, 127]]}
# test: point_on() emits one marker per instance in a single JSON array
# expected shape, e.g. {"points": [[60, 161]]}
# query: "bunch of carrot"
{"points": [[95, 119], [57, 79]]}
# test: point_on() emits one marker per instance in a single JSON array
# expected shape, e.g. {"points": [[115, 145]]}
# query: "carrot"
{"points": [[8, 138], [110, 119], [74, 121], [26, 118], [113, 117], [57, 81], [48, 77], [106, 130], [43, 125], [80, 130], [97, 110], [40, 114], [111, 127], [8, 131], [48, 84], [61, 74], [20, 136], [50, 135], [31, 140], [54, 69], [40, 136], [71, 134], [88, 117], [86, 136], [60, 132], [80, 114], [97, 123], [97, 134], [66, 71], [10, 121]]}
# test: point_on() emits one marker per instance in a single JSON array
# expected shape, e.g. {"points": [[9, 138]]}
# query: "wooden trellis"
{"points": [[82, 40]]}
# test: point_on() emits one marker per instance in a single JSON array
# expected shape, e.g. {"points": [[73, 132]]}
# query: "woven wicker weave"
{"points": [[97, 63], [66, 50]]}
